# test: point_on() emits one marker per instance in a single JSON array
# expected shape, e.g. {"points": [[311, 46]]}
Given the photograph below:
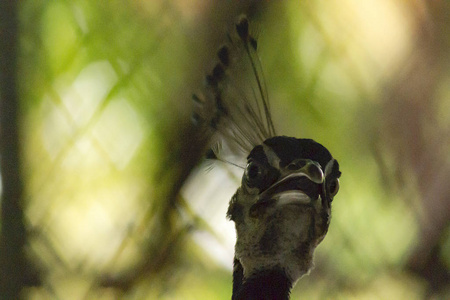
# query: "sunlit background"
{"points": [[118, 202]]}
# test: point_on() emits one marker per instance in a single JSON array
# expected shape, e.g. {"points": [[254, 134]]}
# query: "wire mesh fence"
{"points": [[113, 204]]}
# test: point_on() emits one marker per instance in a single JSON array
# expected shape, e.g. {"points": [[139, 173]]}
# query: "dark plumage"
{"points": [[282, 209], [281, 212]]}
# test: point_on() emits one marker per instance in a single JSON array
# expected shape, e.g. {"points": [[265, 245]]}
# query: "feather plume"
{"points": [[233, 109]]}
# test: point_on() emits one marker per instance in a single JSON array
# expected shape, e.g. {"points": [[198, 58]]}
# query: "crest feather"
{"points": [[234, 108]]}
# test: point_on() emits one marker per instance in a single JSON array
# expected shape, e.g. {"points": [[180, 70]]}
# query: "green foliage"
{"points": [[106, 88]]}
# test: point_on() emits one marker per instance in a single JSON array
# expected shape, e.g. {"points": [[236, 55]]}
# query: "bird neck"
{"points": [[265, 285]]}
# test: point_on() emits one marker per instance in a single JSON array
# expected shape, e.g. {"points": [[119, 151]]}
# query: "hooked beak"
{"points": [[295, 185]]}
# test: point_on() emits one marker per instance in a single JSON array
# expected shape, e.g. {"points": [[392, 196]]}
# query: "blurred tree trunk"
{"points": [[12, 224], [412, 107]]}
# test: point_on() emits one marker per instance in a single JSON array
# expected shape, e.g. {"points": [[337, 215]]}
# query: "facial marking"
{"points": [[272, 157], [286, 213]]}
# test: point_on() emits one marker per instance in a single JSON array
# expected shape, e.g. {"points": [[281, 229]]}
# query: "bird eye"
{"points": [[253, 172], [333, 187]]}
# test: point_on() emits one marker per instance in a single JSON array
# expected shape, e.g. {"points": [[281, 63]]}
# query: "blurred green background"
{"points": [[116, 202]]}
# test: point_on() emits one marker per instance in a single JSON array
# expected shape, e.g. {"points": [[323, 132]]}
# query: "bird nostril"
{"points": [[297, 164], [315, 173], [310, 168]]}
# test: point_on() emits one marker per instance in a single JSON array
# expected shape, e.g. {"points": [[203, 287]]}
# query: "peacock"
{"points": [[282, 208]]}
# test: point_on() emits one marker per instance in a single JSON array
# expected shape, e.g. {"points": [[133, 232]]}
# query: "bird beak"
{"points": [[288, 189]]}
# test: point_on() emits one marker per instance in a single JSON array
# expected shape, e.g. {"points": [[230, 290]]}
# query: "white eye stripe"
{"points": [[271, 156], [329, 167]]}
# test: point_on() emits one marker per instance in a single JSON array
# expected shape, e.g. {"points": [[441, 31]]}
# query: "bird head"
{"points": [[282, 209]]}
